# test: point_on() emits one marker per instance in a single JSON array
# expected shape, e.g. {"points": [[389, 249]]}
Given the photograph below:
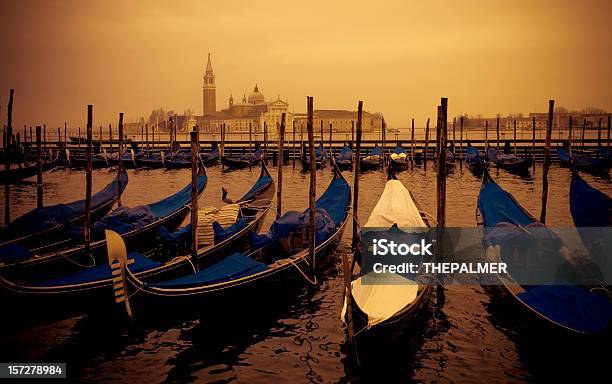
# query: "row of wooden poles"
{"points": [[9, 136], [441, 143]]}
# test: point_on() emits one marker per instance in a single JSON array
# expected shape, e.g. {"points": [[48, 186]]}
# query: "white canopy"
{"points": [[388, 293], [395, 206]]}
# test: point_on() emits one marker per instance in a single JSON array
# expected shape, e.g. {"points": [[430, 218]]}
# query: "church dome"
{"points": [[256, 97]]}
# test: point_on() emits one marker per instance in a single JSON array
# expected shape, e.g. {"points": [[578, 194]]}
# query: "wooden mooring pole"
{"points": [[356, 174], [549, 127], [497, 132], [195, 150], [39, 177], [412, 146], [453, 143], [533, 140], [7, 165], [313, 183], [265, 143], [86, 228], [279, 182], [582, 136], [569, 138], [384, 144], [441, 190], [487, 138], [426, 144], [293, 151], [599, 135], [514, 143], [461, 143], [608, 142], [441, 193], [120, 156]]}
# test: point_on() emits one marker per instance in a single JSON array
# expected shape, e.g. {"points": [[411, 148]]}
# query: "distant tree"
{"points": [[561, 109], [157, 115], [592, 110]]}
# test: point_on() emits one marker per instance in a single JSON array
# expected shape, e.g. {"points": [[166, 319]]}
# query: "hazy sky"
{"points": [[399, 57]]}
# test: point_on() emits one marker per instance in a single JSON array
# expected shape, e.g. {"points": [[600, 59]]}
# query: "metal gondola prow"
{"points": [[118, 262]]}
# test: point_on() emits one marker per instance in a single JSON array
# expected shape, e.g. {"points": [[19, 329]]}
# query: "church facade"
{"points": [[253, 111]]}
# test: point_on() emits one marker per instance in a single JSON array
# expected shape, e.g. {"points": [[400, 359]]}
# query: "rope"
{"points": [[429, 216], [93, 261], [302, 272], [188, 258]]}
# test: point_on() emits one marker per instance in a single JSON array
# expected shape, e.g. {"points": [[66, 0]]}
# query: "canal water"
{"points": [[472, 334]]}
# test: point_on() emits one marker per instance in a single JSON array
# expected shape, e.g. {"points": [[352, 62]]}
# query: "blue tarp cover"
{"points": [[43, 218], [376, 151], [180, 234], [399, 149], [320, 152], [232, 267], [224, 233], [13, 253], [172, 203], [589, 207], [345, 154], [571, 306], [330, 212], [100, 272], [472, 155], [497, 205], [261, 184], [292, 221], [213, 153], [254, 156], [335, 199], [123, 220]]}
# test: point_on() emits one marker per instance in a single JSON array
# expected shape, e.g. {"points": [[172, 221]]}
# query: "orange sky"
{"points": [[399, 57]]}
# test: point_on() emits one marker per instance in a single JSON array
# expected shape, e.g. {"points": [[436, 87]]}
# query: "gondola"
{"points": [[344, 159], [77, 139], [598, 164], [42, 225], [211, 157], [178, 162], [474, 159], [373, 161], [574, 308], [591, 212], [161, 262], [128, 160], [449, 159], [320, 158], [398, 159], [589, 206], [509, 162], [279, 258], [97, 161], [382, 304], [137, 226], [152, 160], [244, 161], [20, 173]]}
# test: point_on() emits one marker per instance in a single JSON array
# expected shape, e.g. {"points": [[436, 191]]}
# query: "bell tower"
{"points": [[209, 90]]}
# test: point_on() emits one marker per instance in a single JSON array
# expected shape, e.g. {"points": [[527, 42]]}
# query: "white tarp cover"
{"points": [[395, 206], [388, 293], [385, 295], [398, 156]]}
